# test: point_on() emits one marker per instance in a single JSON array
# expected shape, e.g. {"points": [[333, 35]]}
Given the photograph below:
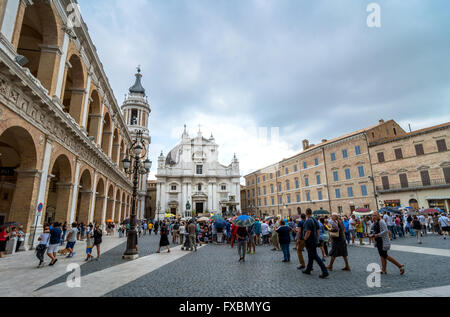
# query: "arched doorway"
{"points": [[107, 134], [17, 185], [59, 191], [38, 42], [84, 198], [94, 116], [99, 200], [414, 204], [74, 89]]}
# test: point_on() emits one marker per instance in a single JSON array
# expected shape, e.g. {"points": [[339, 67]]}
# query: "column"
{"points": [[86, 104], [37, 221], [113, 209], [100, 126], [94, 195], [105, 203], [9, 19], [210, 199], [61, 68], [73, 205], [85, 205]]}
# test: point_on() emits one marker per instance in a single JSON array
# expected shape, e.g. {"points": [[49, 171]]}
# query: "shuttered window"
{"points": [[381, 157], [403, 180], [447, 174], [425, 176], [419, 149], [398, 154], [441, 145], [385, 181]]}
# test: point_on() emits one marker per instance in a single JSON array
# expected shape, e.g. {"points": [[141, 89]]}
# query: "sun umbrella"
{"points": [[202, 219], [269, 218], [431, 211], [169, 216], [217, 217], [362, 210], [10, 224], [390, 209], [321, 212], [244, 221], [363, 213], [220, 223]]}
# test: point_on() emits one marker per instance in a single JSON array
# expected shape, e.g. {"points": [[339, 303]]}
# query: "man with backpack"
{"points": [[312, 234]]}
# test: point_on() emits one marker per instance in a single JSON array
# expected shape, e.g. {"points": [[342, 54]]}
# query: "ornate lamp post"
{"points": [[139, 168], [188, 209]]}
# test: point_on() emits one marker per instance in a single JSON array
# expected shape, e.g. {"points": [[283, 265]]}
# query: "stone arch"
{"points": [[74, 88], [37, 38], [94, 115], [84, 197], [20, 179], [59, 190], [116, 147], [110, 203], [107, 133], [99, 200]]}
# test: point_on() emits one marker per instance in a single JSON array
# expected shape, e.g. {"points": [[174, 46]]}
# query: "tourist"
{"points": [[284, 236], [380, 233], [275, 240], [398, 226], [182, 232], [71, 240], [312, 233], [409, 220], [258, 232], [391, 225], [251, 239], [436, 225], [145, 227], [323, 239], [150, 228], [352, 228], [54, 243], [98, 239], [360, 231], [423, 223], [20, 238], [44, 240], [175, 232], [347, 229], [192, 230], [265, 233], [64, 232], [300, 241], [417, 227], [338, 243], [242, 236], [4, 237], [444, 225], [90, 242], [233, 234]]}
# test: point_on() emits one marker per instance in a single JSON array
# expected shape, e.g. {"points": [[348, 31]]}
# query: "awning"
{"points": [[438, 198]]}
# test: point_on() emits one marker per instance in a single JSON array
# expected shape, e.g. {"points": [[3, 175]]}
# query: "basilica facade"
{"points": [[62, 133], [191, 181]]}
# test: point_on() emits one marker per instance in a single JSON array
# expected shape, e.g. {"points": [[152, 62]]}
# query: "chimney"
{"points": [[381, 121], [324, 140], [305, 145]]}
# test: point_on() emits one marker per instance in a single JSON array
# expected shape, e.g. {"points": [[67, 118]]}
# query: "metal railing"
{"points": [[441, 182]]}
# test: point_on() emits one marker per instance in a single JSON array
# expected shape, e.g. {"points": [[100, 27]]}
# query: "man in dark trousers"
{"points": [[312, 234]]}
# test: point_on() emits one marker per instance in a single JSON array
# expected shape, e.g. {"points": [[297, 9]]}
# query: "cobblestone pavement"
{"points": [[214, 271], [147, 245]]}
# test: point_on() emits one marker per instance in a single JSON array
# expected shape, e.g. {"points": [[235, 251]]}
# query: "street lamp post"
{"points": [[139, 168]]}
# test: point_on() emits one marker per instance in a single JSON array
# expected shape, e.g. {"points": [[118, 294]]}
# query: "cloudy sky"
{"points": [[262, 75]]}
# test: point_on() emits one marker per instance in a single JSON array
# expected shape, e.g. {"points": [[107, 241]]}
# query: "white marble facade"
{"points": [[192, 173]]}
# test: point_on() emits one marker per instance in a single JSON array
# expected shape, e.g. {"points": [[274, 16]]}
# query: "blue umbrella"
{"points": [[244, 221], [220, 223]]}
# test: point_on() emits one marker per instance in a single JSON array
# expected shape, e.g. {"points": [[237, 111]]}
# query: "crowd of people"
{"points": [[323, 238]]}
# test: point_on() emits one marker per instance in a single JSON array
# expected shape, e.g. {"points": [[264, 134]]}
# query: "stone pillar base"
{"points": [[130, 257], [29, 237]]}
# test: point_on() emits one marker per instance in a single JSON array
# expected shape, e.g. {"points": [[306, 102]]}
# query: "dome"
{"points": [[137, 87]]}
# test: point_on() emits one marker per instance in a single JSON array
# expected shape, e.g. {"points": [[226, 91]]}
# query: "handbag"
{"points": [[334, 234]]}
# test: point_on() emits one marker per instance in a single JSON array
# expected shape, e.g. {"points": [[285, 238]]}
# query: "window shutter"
{"points": [[404, 180], [425, 178], [442, 146], [419, 149], [381, 157], [398, 154], [385, 181]]}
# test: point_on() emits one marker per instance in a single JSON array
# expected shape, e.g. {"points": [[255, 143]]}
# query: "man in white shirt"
{"points": [[423, 222], [444, 223], [265, 232], [391, 224], [352, 228]]}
